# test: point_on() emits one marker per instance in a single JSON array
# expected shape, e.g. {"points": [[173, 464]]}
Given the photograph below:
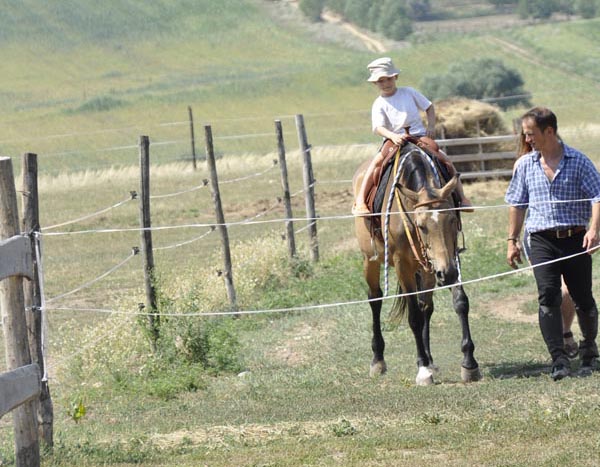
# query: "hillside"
{"points": [[81, 81]]}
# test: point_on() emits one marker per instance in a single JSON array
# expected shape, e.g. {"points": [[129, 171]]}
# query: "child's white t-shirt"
{"points": [[400, 110]]}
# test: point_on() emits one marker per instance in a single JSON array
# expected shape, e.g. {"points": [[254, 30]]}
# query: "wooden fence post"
{"points": [[12, 308], [286, 191], [146, 233], [33, 297], [216, 196], [192, 138], [309, 188], [480, 148]]}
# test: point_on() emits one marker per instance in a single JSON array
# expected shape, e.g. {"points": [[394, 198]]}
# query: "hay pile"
{"points": [[460, 117], [466, 118]]}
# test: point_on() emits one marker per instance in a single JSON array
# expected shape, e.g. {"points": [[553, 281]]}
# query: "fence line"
{"points": [[234, 119], [187, 242], [134, 252], [133, 195], [524, 269], [94, 214], [247, 177], [295, 219], [189, 190]]}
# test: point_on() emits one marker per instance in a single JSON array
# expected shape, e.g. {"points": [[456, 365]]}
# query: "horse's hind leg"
{"points": [[371, 270], [469, 367]]}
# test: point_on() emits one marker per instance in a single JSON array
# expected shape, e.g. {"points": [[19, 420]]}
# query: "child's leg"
{"points": [[360, 205]]}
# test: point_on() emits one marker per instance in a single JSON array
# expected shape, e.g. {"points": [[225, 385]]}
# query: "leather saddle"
{"points": [[381, 175]]}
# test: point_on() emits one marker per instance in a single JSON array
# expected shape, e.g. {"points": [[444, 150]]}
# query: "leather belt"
{"points": [[562, 233]]}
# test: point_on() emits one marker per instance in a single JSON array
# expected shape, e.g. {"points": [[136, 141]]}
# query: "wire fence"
{"points": [[51, 231], [84, 150]]}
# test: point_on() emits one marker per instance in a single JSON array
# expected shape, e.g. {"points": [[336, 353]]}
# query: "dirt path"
{"points": [[513, 48], [371, 43]]}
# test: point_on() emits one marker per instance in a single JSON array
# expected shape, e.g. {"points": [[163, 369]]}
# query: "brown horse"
{"points": [[420, 229]]}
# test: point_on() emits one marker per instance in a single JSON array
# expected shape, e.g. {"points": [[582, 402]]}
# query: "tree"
{"points": [[587, 8], [501, 3], [356, 11], [336, 5], [393, 21], [373, 14], [312, 9], [418, 9], [485, 78], [537, 9], [565, 6]]}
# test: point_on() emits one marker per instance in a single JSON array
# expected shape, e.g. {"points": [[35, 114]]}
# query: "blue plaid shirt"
{"points": [[553, 205]]}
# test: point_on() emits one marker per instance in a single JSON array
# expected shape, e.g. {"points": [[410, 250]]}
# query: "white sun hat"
{"points": [[382, 67]]}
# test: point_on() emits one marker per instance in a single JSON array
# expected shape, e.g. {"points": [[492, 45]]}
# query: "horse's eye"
{"points": [[423, 229]]}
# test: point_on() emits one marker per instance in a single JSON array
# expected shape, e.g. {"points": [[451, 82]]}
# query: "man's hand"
{"points": [[591, 241], [513, 254]]}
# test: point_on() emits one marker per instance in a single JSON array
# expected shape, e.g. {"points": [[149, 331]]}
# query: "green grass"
{"points": [[97, 81]]}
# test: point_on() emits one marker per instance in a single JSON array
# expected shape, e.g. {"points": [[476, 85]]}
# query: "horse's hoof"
{"points": [[470, 376], [424, 377], [435, 370], [378, 368]]}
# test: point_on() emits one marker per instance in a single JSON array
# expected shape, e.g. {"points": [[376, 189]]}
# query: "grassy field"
{"points": [[81, 89]]}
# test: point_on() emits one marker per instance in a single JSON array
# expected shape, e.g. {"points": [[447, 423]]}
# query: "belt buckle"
{"points": [[564, 233]]}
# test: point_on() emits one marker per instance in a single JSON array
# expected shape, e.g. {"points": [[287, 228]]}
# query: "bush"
{"points": [[537, 9], [393, 20], [587, 8], [211, 342], [100, 104], [312, 9], [485, 78]]}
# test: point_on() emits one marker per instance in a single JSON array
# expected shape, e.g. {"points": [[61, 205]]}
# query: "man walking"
{"points": [[561, 188]]}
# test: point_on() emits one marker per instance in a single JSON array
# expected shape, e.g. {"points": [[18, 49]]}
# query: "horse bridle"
{"points": [[420, 253]]}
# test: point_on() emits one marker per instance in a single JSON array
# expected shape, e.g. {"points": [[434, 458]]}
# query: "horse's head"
{"points": [[436, 227]]}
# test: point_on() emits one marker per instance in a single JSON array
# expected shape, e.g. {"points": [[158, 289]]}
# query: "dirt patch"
{"points": [[510, 310], [331, 29], [250, 433], [296, 346], [370, 42]]}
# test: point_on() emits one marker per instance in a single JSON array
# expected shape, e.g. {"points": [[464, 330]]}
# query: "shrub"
{"points": [[312, 9], [393, 20], [100, 104], [211, 342], [587, 8], [485, 78]]}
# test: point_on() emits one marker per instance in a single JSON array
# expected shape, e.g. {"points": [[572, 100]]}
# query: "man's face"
{"points": [[533, 136]]}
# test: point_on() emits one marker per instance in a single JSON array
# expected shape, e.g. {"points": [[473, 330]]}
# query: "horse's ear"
{"points": [[448, 188], [412, 195]]}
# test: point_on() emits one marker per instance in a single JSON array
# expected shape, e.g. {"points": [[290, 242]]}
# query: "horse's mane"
{"points": [[417, 170]]}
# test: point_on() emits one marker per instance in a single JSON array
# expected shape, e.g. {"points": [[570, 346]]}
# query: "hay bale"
{"points": [[460, 117]]}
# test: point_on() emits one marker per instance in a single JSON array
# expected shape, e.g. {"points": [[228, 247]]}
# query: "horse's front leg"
{"points": [[417, 323], [427, 282], [469, 367], [372, 272]]}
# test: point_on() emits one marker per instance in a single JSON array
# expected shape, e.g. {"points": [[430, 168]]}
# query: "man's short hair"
{"points": [[543, 118]]}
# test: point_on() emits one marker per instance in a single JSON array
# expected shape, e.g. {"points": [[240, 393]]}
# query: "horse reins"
{"points": [[420, 253]]}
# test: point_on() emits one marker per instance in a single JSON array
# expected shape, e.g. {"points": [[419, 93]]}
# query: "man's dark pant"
{"points": [[577, 273]]}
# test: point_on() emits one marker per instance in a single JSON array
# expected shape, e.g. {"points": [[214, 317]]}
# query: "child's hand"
{"points": [[398, 139]]}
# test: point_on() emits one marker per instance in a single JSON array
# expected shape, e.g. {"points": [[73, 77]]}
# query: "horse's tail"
{"points": [[398, 310]]}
